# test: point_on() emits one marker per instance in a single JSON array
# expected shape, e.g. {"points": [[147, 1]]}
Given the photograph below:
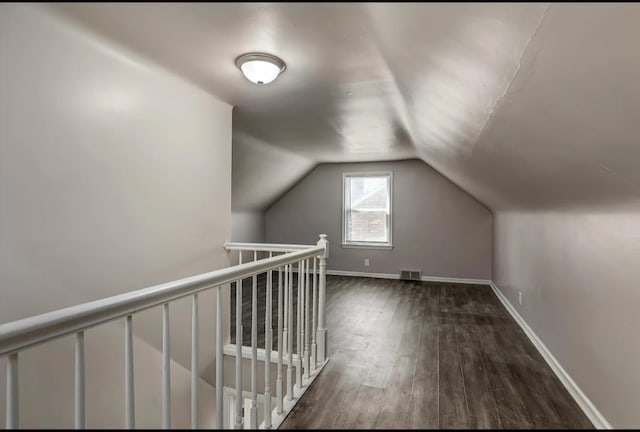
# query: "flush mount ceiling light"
{"points": [[260, 68]]}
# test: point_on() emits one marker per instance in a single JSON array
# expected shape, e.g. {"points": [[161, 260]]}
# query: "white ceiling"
{"points": [[523, 105]]}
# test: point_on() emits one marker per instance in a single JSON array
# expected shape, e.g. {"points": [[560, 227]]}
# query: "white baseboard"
{"points": [[396, 276], [363, 274], [581, 399], [456, 280]]}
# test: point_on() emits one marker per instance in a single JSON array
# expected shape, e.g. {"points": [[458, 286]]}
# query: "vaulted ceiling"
{"points": [[523, 105]]}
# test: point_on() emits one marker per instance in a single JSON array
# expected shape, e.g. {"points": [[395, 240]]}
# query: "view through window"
{"points": [[367, 209]]}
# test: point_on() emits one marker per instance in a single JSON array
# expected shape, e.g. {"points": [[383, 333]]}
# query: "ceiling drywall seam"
{"points": [[513, 77]]}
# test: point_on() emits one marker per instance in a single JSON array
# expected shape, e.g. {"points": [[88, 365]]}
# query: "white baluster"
{"points": [[166, 369], [194, 362], [80, 416], [239, 417], [129, 393], [315, 313], [267, 352], [307, 317], [322, 282], [279, 404], [285, 316], [13, 412], [290, 337], [254, 350], [219, 361], [300, 302]]}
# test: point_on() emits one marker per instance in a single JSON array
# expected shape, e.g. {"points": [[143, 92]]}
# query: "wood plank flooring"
{"points": [[247, 289], [428, 355]]}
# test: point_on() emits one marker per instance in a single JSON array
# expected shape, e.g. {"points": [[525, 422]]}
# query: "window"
{"points": [[366, 211]]}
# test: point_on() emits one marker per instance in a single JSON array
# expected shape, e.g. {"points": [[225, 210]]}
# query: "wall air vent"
{"points": [[411, 275]]}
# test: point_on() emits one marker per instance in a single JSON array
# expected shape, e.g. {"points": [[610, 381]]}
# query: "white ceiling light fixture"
{"points": [[260, 68]]}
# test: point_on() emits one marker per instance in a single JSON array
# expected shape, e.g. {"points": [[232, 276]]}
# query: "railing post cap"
{"points": [[324, 243]]}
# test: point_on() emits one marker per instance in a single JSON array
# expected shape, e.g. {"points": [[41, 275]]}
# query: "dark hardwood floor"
{"points": [[428, 355], [247, 287]]}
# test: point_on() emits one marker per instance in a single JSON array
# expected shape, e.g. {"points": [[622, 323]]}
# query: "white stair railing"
{"points": [[19, 335], [302, 295]]}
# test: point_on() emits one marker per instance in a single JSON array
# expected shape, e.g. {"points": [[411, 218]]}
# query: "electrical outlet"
{"points": [[366, 262], [520, 297]]}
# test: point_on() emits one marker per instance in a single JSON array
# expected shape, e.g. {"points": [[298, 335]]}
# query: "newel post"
{"points": [[321, 335]]}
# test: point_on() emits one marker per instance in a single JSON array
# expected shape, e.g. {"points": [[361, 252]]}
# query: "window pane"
{"points": [[367, 208], [367, 226], [369, 192]]}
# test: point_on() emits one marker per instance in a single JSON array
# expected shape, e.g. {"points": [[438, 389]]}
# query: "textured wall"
{"points": [[437, 227], [114, 175], [578, 273], [247, 227]]}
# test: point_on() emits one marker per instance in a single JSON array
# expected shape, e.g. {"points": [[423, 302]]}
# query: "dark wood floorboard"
{"points": [[424, 355], [247, 291]]}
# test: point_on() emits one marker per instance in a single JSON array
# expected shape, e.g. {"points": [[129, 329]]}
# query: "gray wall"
{"points": [[262, 171], [114, 175], [578, 273], [247, 226], [437, 227]]}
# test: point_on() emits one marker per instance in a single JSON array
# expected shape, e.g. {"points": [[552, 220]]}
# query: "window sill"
{"points": [[366, 246]]}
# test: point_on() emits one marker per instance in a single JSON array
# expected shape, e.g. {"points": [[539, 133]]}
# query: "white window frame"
{"points": [[345, 197]]}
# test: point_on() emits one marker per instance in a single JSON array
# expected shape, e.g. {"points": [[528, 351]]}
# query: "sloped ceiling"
{"points": [[523, 105]]}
